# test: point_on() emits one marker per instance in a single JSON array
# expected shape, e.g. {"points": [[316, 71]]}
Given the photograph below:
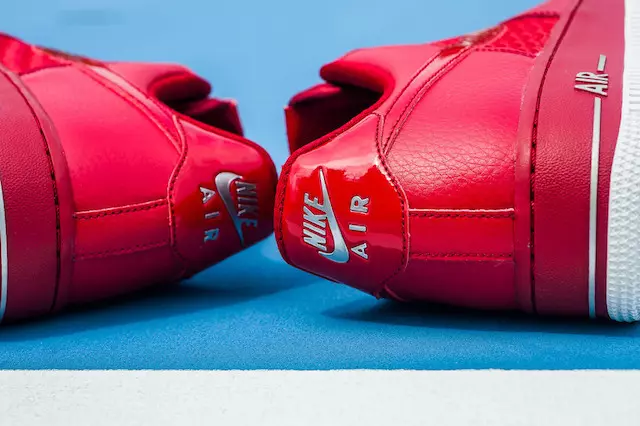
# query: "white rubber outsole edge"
{"points": [[623, 264]]}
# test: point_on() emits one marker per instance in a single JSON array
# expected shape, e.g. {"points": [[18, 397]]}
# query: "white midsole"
{"points": [[623, 251]]}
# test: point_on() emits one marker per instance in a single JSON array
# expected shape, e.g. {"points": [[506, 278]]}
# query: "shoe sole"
{"points": [[623, 267]]}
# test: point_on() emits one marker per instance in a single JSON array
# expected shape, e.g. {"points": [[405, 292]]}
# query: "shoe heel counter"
{"points": [[220, 197], [339, 214]]}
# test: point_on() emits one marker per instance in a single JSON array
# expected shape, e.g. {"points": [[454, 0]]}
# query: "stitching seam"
{"points": [[507, 50], [44, 68], [122, 93], [408, 109], [534, 142], [86, 215], [462, 255], [403, 209], [413, 78], [466, 215], [116, 252], [54, 186]]}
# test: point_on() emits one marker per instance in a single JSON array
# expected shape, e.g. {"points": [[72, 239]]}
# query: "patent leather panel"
{"points": [[221, 197], [343, 217]]}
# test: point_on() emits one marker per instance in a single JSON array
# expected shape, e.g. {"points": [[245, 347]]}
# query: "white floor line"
{"points": [[348, 397]]}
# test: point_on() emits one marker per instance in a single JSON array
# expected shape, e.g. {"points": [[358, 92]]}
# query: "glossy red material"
{"points": [[138, 179], [347, 168], [481, 148]]}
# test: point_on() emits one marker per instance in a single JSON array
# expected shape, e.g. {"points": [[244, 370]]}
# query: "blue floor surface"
{"points": [[254, 311]]}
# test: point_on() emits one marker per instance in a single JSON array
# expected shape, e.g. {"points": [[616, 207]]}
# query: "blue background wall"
{"points": [[253, 311]]}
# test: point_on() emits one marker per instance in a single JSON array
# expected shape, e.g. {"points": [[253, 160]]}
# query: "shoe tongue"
{"points": [[378, 69], [166, 82], [354, 83], [323, 108], [182, 90], [219, 113]]}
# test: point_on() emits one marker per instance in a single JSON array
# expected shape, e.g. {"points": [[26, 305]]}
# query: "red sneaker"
{"points": [[117, 176], [497, 170]]}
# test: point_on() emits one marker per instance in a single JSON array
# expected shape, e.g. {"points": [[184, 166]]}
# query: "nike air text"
{"points": [[318, 216], [596, 83], [243, 211]]}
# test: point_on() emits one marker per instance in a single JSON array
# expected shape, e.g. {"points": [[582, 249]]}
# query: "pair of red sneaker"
{"points": [[498, 170]]}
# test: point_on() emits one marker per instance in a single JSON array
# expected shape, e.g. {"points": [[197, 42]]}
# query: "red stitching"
{"points": [[462, 255], [534, 142], [396, 186], [52, 175], [507, 50], [172, 183], [118, 211], [469, 215], [117, 252], [413, 78]]}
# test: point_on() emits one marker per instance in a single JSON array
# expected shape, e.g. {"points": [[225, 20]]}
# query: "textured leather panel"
{"points": [[457, 149], [30, 213], [525, 156], [562, 181]]}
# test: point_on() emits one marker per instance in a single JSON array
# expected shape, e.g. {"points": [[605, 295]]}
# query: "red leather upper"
{"points": [[441, 124], [143, 145]]}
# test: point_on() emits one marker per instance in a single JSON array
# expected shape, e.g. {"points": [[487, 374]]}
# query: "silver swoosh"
{"points": [[340, 253], [223, 185]]}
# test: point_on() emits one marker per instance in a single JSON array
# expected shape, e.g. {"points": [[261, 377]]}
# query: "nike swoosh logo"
{"points": [[223, 185], [340, 253]]}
